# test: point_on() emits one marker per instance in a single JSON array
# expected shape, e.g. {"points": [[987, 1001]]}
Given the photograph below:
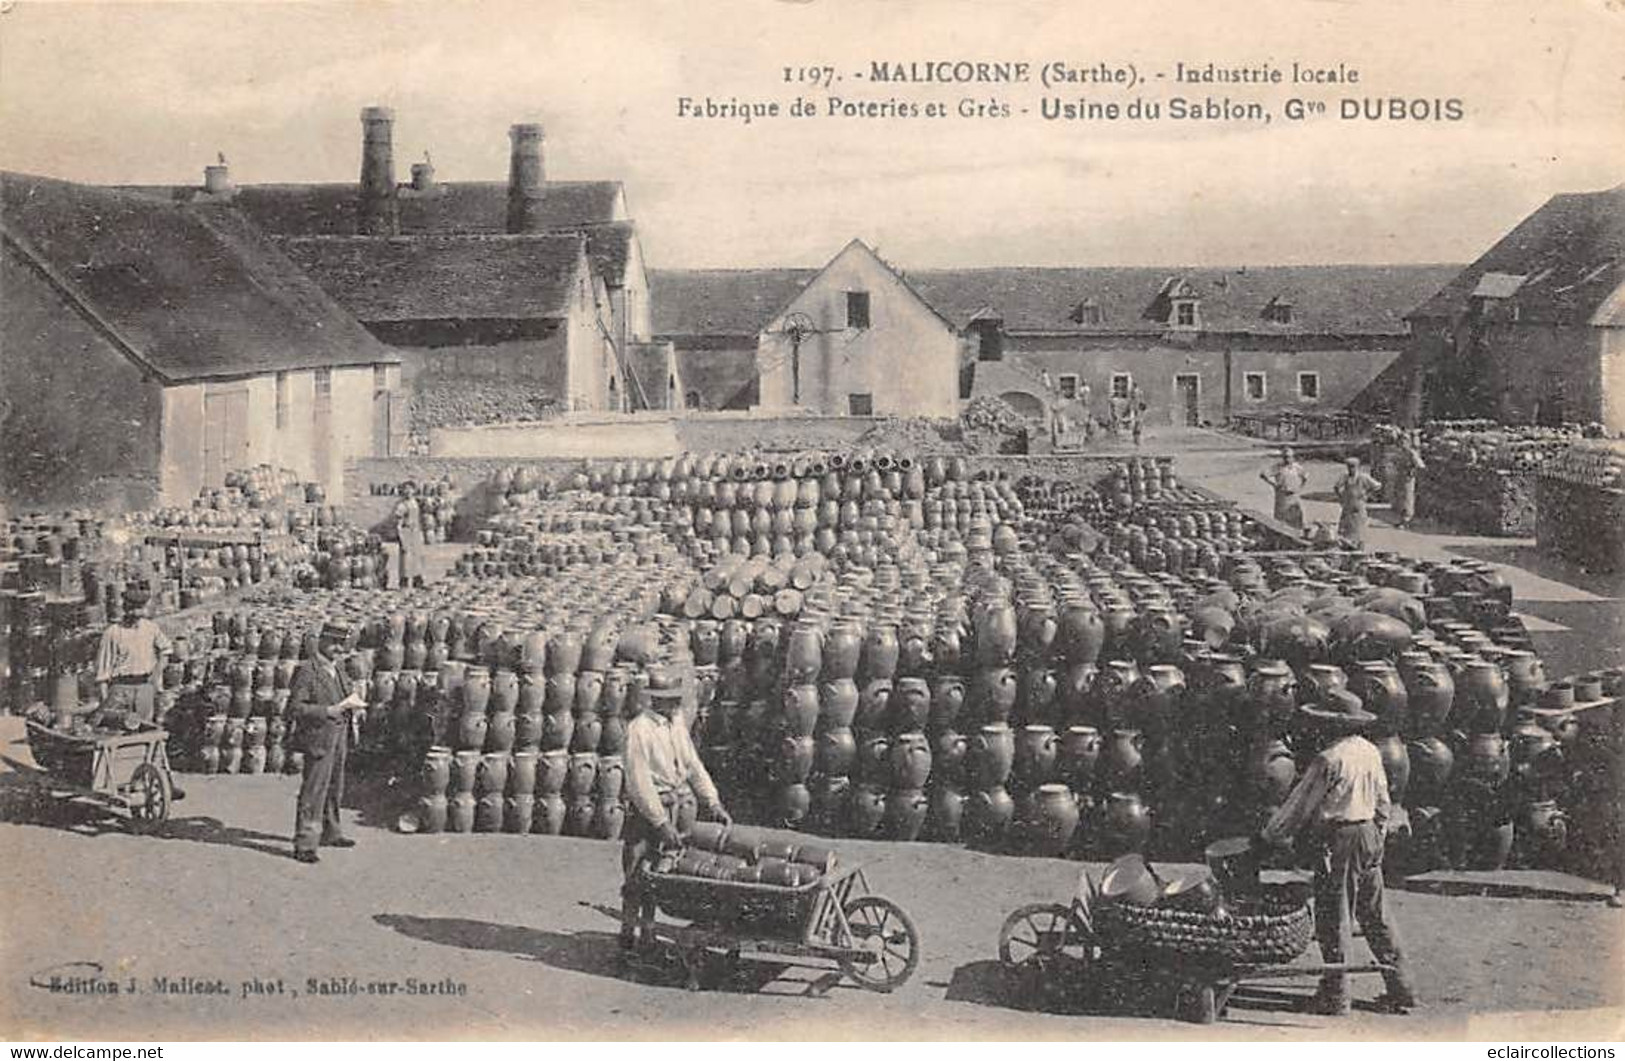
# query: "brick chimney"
{"points": [[217, 178], [527, 180], [376, 213]]}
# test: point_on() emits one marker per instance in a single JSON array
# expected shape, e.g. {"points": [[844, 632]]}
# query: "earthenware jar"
{"points": [[866, 810], [1396, 763], [992, 754], [946, 819], [1126, 823], [1056, 813], [1121, 760], [1431, 762], [837, 702]]}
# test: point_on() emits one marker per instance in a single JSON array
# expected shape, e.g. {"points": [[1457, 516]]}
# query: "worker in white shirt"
{"points": [[1342, 803], [662, 765]]}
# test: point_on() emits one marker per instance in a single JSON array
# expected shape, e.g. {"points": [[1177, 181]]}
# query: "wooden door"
{"points": [[225, 434], [1190, 397]]}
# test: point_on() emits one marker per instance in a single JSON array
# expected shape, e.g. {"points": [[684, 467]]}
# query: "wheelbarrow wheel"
{"points": [[1043, 938], [880, 927], [149, 799]]}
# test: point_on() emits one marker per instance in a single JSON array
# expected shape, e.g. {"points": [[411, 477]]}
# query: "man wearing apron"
{"points": [[1288, 480], [662, 766], [129, 663], [1352, 491]]}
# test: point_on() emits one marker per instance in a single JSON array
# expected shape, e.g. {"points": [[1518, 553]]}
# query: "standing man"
{"points": [[409, 532], [130, 663], [1353, 491], [1288, 480], [1341, 806], [1408, 462], [661, 766], [1088, 414], [323, 704]]}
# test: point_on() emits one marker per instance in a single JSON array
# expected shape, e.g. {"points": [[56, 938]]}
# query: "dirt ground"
{"points": [[509, 922]]}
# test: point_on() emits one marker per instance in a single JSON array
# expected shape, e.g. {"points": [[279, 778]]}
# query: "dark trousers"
{"points": [[640, 842], [321, 788], [1348, 889], [128, 698]]}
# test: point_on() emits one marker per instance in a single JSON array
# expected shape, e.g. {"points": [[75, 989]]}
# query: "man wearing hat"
{"points": [[322, 701], [662, 764], [1341, 805], [129, 664], [1287, 478]]}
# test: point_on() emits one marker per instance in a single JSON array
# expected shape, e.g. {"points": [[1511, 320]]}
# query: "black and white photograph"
{"points": [[813, 520]]}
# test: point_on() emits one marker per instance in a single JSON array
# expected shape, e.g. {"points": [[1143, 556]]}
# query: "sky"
{"points": [[145, 92]]}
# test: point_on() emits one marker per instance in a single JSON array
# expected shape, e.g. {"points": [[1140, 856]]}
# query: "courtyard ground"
{"points": [[1521, 955]]}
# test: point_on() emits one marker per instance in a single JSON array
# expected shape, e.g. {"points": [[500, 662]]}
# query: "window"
{"points": [[860, 404], [1309, 386], [1278, 312], [324, 383], [1185, 314], [857, 309], [281, 401], [1252, 385], [1088, 312], [1068, 385], [1121, 382]]}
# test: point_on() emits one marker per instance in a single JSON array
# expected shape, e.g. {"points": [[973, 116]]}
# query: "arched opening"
{"points": [[1028, 405]]}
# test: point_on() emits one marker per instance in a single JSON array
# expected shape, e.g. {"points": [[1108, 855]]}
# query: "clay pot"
{"points": [[582, 773], [947, 695], [1525, 676], [579, 813], [874, 759], [830, 796], [910, 760], [587, 733], [476, 690], [1079, 756], [1431, 762], [1056, 819], [993, 694], [793, 804], [1318, 679], [997, 634], [803, 659], [988, 814], [1430, 691], [1487, 760], [837, 702], [1271, 771], [589, 691], [552, 770], [1121, 760], [461, 812], [837, 751], [911, 704], [471, 730], [1080, 634], [549, 814], [801, 710], [1543, 832], [1382, 692], [906, 811], [528, 730], [433, 813], [841, 651], [795, 760], [611, 777], [522, 773], [947, 814], [1125, 824], [992, 754], [491, 777], [1272, 695], [866, 810], [1483, 689], [1111, 692], [1037, 748], [1396, 763], [560, 696], [501, 730]]}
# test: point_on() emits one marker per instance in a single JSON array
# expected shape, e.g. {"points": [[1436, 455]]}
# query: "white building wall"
{"points": [[907, 360], [180, 473]]}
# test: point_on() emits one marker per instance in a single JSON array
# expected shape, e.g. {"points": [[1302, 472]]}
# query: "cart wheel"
{"points": [[149, 799], [880, 927], [1043, 938]]}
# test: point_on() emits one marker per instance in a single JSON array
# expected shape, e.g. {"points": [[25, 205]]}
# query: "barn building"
{"points": [[1534, 330], [149, 347]]}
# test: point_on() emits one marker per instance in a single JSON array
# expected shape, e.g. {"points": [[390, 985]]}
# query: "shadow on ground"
{"points": [[1493, 890], [593, 953], [1526, 556]]}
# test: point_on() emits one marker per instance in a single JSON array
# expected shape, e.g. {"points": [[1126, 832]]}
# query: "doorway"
{"points": [[1188, 386], [225, 433]]}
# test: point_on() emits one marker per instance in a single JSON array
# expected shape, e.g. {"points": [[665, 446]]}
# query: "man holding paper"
{"points": [[323, 703]]}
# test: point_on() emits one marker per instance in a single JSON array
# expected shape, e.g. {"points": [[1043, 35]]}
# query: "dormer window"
{"points": [[1185, 314], [1088, 313], [1278, 311]]}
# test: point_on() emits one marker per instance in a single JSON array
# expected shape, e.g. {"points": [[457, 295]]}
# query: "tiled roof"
{"points": [[1332, 299], [610, 248], [1325, 299], [449, 207], [721, 301], [1570, 253], [194, 291], [444, 277]]}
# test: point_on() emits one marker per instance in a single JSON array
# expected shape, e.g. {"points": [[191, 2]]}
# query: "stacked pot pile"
{"points": [[1580, 506], [1137, 480], [436, 501], [747, 587], [545, 538], [1483, 477], [530, 737]]}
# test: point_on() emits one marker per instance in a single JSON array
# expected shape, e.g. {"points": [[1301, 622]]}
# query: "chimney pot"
{"points": [[422, 176], [377, 213], [527, 177], [217, 180]]}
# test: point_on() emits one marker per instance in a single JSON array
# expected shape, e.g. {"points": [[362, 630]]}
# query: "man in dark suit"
{"points": [[322, 701]]}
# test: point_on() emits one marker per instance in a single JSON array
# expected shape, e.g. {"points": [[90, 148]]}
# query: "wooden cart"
{"points": [[128, 771], [831, 921], [1049, 946]]}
